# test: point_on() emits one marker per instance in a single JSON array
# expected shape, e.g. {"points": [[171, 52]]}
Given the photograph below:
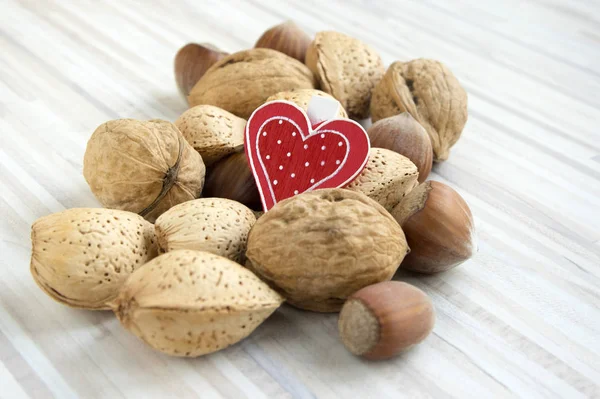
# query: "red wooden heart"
{"points": [[288, 157]]}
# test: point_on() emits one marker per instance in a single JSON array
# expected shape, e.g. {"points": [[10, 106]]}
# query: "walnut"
{"points": [[319, 247], [243, 81], [144, 167], [429, 91]]}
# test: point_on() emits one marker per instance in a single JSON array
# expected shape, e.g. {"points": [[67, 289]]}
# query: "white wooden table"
{"points": [[522, 318]]}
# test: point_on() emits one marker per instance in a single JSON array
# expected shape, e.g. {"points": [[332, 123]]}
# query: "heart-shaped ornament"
{"points": [[288, 156]]}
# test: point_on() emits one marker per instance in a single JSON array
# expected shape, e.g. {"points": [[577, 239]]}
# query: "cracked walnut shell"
{"points": [[428, 91], [319, 247], [144, 167]]}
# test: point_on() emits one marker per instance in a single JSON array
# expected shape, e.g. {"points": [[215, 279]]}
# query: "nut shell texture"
{"points": [[319, 247], [387, 178], [215, 225], [243, 81], [213, 132], [439, 227], [189, 303], [81, 257], [404, 135], [429, 91], [346, 68], [232, 178], [287, 38], [144, 167], [302, 97], [384, 319]]}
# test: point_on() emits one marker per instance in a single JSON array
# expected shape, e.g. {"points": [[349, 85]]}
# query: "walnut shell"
{"points": [[387, 177], [144, 167], [346, 68], [215, 225], [241, 82], [301, 97], [212, 131], [81, 257], [319, 247], [429, 91], [190, 303]]}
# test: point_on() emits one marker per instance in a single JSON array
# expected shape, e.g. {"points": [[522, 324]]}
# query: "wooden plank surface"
{"points": [[522, 318]]}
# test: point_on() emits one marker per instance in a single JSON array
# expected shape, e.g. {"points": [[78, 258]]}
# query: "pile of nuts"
{"points": [[183, 254]]}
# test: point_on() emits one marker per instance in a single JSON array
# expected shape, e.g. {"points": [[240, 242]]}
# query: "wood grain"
{"points": [[522, 318]]}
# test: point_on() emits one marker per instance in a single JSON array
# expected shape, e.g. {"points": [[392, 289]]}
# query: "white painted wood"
{"points": [[522, 318]]}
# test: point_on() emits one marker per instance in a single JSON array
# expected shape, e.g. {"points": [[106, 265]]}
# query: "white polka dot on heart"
{"points": [[280, 121], [295, 191], [264, 133], [322, 163], [275, 182], [293, 175], [306, 146], [340, 144], [293, 133], [278, 141], [322, 136], [289, 154], [280, 167], [337, 162], [312, 181], [306, 164], [268, 157], [323, 148]]}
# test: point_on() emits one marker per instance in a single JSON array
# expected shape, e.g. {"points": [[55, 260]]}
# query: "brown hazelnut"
{"points": [[191, 61], [439, 228], [384, 319], [287, 38], [231, 178], [404, 135]]}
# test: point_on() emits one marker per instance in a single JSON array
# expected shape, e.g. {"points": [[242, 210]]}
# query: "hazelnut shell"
{"points": [[404, 135], [384, 319], [439, 228], [232, 178], [191, 62], [287, 38]]}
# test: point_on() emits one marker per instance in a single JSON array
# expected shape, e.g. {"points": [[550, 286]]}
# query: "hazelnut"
{"points": [[191, 61], [231, 178], [384, 319], [287, 38], [439, 228], [404, 135]]}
